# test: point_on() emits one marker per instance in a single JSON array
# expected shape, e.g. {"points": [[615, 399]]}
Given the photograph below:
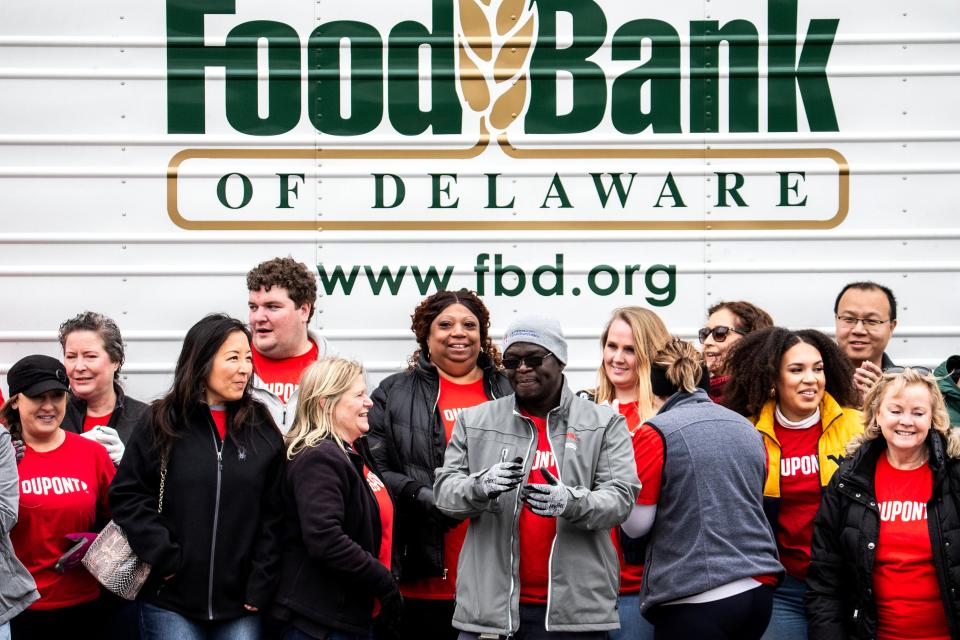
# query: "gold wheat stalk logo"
{"points": [[494, 42]]}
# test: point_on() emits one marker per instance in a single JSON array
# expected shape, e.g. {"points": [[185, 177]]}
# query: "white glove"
{"points": [[110, 439], [547, 500], [501, 477]]}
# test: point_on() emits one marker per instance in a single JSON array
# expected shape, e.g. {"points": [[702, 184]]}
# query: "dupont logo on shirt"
{"points": [[376, 484], [57, 485], [542, 460], [903, 511], [799, 466], [450, 415], [282, 390]]}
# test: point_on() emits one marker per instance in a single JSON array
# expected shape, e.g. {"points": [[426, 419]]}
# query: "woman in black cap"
{"points": [[63, 495]]}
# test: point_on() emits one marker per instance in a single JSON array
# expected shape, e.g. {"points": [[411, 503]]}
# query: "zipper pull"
{"points": [[444, 573], [220, 458]]}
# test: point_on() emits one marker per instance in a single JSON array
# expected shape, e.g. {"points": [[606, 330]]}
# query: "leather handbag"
{"points": [[111, 560]]}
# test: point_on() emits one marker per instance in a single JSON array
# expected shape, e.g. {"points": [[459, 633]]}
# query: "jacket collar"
{"points": [[830, 410], [682, 398], [562, 410], [427, 369], [81, 404], [863, 464]]}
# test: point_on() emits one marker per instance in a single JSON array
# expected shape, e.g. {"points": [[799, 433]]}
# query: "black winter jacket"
{"points": [[407, 440], [127, 414], [330, 571], [839, 601], [219, 533]]}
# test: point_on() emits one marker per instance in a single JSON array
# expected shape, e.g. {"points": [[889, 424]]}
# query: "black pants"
{"points": [[80, 622], [427, 620], [744, 616]]}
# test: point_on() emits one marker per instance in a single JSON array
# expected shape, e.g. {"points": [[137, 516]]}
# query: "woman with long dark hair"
{"points": [[455, 366], [216, 456], [797, 388]]}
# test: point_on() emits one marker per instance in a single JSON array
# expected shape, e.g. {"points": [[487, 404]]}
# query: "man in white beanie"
{"points": [[543, 476]]}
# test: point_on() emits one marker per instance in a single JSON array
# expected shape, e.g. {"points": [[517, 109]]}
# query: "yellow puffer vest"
{"points": [[840, 425]]}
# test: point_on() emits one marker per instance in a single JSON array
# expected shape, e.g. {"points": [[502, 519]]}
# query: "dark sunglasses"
{"points": [[921, 370], [532, 362], [719, 333]]}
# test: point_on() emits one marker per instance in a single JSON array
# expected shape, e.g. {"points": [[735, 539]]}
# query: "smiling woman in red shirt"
{"points": [[63, 495], [882, 563], [336, 579], [797, 388], [630, 340]]}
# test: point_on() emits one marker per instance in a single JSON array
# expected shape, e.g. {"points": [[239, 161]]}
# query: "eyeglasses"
{"points": [[532, 362], [921, 370], [851, 321], [719, 333]]}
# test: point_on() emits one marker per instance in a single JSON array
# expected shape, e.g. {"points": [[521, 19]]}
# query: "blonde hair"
{"points": [[682, 362], [321, 386], [895, 383], [649, 335]]}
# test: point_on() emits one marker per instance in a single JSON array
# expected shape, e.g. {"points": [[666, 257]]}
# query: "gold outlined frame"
{"points": [[843, 171]]}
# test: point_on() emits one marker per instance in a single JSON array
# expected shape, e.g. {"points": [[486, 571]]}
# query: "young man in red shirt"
{"points": [[281, 300]]}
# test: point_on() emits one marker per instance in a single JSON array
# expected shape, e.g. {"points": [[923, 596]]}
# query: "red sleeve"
{"points": [[648, 450], [105, 472]]}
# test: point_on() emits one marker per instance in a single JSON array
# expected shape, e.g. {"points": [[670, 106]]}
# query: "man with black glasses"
{"points": [[866, 315], [543, 476]]}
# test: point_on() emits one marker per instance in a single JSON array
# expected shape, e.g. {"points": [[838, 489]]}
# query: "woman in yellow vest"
{"points": [[797, 388]]}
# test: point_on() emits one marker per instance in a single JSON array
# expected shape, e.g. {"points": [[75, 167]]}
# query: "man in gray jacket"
{"points": [[17, 590], [538, 560]]}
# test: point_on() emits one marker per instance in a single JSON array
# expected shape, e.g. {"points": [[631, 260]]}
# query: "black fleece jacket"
{"points": [[219, 533], [330, 569], [127, 414], [407, 440], [839, 602]]}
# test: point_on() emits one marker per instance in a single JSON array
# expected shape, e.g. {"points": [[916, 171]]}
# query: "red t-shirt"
{"points": [[61, 491], [630, 411], [282, 377], [89, 421], [219, 420], [800, 495], [454, 398], [904, 577], [648, 452], [385, 504], [537, 532]]}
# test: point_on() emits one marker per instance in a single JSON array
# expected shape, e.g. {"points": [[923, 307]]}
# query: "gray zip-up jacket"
{"points": [[596, 463], [283, 414], [17, 589]]}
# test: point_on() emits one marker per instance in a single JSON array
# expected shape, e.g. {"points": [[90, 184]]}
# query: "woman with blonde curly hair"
{"points": [[883, 560], [338, 549]]}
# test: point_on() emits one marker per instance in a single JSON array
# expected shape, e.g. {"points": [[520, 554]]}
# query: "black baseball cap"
{"points": [[35, 375]]}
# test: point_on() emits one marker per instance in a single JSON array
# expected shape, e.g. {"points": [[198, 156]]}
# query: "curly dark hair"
{"points": [[432, 306], [287, 273], [754, 366], [752, 318]]}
